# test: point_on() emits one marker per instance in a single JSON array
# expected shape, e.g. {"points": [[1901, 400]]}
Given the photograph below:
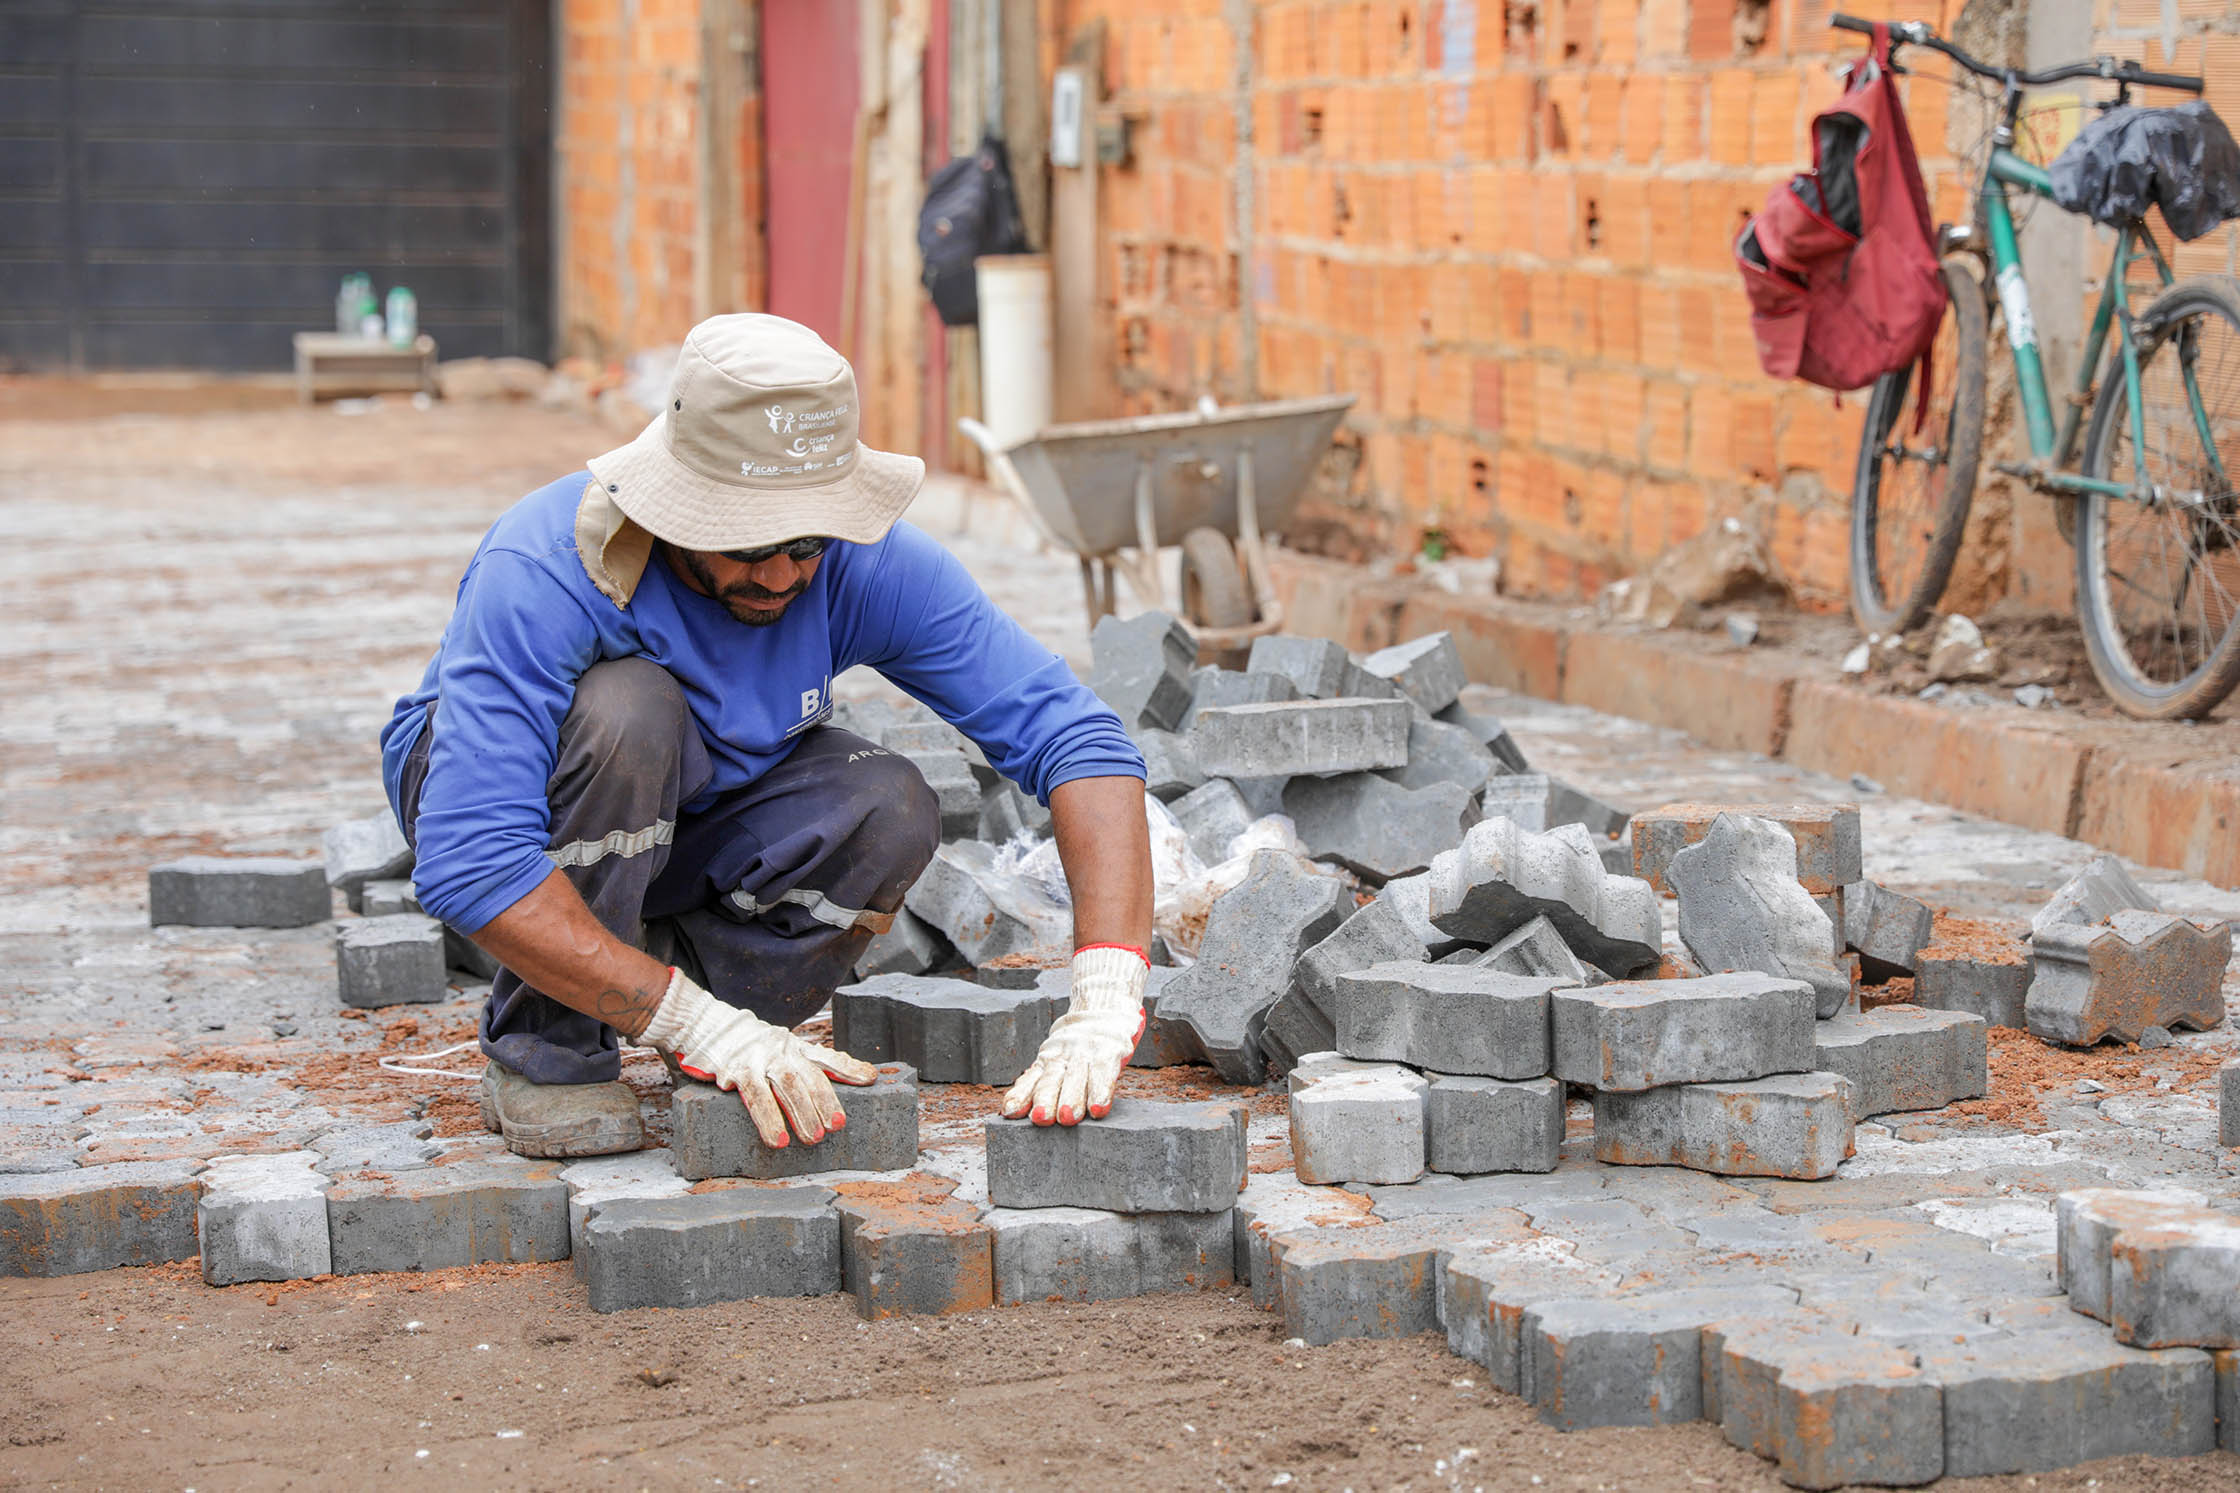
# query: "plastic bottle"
{"points": [[351, 303], [404, 317]]}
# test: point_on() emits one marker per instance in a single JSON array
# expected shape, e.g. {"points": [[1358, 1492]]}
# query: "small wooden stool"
{"points": [[331, 366]]}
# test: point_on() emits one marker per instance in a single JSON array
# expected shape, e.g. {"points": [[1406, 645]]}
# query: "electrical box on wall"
{"points": [[1068, 115]]}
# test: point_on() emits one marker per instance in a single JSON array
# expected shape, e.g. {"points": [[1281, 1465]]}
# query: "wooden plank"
{"points": [[1081, 309]]}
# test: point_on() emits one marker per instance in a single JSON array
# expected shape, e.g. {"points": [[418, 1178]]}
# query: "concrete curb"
{"points": [[2073, 777]]}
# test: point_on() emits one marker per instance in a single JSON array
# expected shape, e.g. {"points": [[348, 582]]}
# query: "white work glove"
{"points": [[1073, 1076], [781, 1078]]}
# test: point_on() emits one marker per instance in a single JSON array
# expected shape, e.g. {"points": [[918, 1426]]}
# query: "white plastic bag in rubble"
{"points": [[1184, 888]]}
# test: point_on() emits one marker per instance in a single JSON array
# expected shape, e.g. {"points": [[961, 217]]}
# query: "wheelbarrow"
{"points": [[1215, 481]]}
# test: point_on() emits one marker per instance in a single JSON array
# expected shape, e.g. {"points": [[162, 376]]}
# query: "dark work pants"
{"points": [[766, 895]]}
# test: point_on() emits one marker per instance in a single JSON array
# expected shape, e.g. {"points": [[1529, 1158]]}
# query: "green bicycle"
{"points": [[2150, 507]]}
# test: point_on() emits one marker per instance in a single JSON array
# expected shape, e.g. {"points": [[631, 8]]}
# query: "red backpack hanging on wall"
{"points": [[1841, 265]]}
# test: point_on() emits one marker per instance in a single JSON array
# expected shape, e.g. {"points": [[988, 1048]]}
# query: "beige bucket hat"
{"points": [[758, 446]]}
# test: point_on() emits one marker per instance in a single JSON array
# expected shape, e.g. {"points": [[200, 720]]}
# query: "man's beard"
{"points": [[734, 598]]}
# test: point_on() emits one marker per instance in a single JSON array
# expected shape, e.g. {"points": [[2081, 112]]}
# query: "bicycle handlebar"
{"points": [[1917, 34]]}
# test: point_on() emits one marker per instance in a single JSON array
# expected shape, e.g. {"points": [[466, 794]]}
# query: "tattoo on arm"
{"points": [[628, 1010]]}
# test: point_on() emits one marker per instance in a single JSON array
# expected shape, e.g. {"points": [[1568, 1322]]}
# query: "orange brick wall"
{"points": [[1507, 229], [626, 149]]}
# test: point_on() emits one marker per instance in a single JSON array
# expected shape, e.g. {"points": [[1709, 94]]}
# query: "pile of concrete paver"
{"points": [[1573, 1088]]}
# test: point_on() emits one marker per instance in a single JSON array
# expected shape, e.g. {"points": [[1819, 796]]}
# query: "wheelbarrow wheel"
{"points": [[1214, 593]]}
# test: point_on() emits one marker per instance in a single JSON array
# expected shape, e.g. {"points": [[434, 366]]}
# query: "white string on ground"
{"points": [[402, 1062]]}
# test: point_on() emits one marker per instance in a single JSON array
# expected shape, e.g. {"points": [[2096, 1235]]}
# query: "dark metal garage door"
{"points": [[183, 183]]}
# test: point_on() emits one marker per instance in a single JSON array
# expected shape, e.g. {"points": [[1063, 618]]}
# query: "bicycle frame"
{"points": [[2056, 450]]}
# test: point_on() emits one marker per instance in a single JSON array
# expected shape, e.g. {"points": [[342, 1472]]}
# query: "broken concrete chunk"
{"points": [[1904, 1057], [1474, 1125], [729, 1244], [1141, 668], [1302, 736], [1427, 669], [1143, 1157], [1376, 828], [1503, 876], [1827, 836], [1742, 908], [1537, 950], [1886, 929], [1794, 1125], [909, 946], [1981, 969], [2140, 969], [2096, 893], [1641, 1034], [1445, 1017], [1360, 1126], [362, 850], [212, 891], [713, 1137], [390, 961], [1253, 938]]}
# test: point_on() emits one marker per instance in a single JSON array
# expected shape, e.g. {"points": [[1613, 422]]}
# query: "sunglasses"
{"points": [[792, 549]]}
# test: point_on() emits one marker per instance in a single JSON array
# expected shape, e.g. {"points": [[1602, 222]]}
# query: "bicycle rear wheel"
{"points": [[2158, 574], [1909, 499]]}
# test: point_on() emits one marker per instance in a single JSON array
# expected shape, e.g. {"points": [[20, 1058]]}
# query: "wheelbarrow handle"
{"points": [[1007, 476]]}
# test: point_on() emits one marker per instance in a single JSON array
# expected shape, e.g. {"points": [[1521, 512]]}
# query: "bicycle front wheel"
{"points": [[1909, 499], [2158, 570]]}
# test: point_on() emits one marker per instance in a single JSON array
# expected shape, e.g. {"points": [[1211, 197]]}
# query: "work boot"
{"points": [[560, 1119]]}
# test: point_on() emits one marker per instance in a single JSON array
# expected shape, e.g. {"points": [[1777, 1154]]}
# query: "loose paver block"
{"points": [[1886, 929], [1285, 739], [1359, 1126], [98, 1217], [1214, 689], [2228, 1399], [384, 897], [908, 946], [2095, 894], [1502, 876], [2140, 969], [1796, 1125], [1006, 812], [984, 913], [1293, 1027], [1378, 933], [2086, 1223], [1537, 949], [1826, 835], [1488, 730], [1571, 805], [1375, 828], [1166, 1042], [1903, 1057], [2042, 1401], [1640, 1034], [1318, 668], [724, 1245], [1143, 1157], [359, 851], [1988, 978], [2228, 1104], [950, 1031], [1742, 908], [439, 1217], [1428, 670], [211, 891], [1170, 768], [390, 961], [1829, 1407], [1441, 752], [264, 1218], [1474, 1125], [1254, 936], [949, 774], [1212, 816], [1087, 1254], [1453, 1018], [2177, 1283], [908, 1248], [1141, 668], [713, 1136], [1521, 798]]}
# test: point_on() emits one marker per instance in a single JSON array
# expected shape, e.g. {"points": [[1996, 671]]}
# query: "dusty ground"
{"points": [[502, 1379], [212, 612]]}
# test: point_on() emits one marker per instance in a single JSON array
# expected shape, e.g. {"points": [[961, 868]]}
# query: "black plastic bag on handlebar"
{"points": [[2182, 160]]}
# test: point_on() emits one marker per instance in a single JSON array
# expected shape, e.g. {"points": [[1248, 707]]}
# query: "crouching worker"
{"points": [[619, 780]]}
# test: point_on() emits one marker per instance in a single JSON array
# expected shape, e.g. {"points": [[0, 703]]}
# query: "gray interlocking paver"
{"points": [[1448, 1017], [1365, 1125], [214, 891], [1088, 1254], [1287, 738], [1640, 1034], [1374, 827], [1502, 876], [1743, 908], [726, 1245], [1254, 937], [464, 1213], [1143, 1157], [913, 1250], [714, 1137], [1904, 1057], [2137, 970], [98, 1217], [1141, 668], [1428, 670], [359, 851], [263, 1218], [2093, 895], [390, 961], [1474, 1124], [1795, 1125]]}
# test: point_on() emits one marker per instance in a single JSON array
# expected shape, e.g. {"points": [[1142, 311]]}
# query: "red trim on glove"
{"points": [[1127, 948]]}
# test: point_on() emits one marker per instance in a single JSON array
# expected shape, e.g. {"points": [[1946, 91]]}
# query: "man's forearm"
{"points": [[1105, 846], [550, 939]]}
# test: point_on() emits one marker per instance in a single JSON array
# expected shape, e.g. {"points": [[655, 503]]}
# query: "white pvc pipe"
{"points": [[1015, 358]]}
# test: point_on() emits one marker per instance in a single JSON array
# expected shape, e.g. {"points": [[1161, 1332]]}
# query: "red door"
{"points": [[809, 87]]}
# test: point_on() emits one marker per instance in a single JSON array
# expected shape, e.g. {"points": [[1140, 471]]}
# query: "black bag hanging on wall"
{"points": [[971, 209]]}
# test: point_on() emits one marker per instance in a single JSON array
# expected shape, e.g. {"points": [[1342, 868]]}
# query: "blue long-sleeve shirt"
{"points": [[529, 620]]}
